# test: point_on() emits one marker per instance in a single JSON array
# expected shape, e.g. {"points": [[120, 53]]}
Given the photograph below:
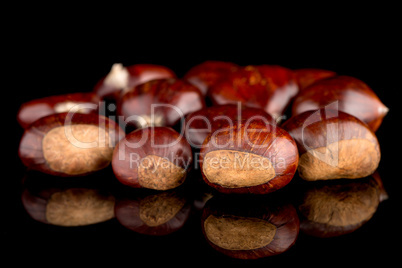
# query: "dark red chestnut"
{"points": [[69, 144], [155, 158], [198, 125], [267, 87], [336, 209], [32, 110], [308, 76], [67, 205], [208, 73], [160, 102], [250, 157], [333, 145], [249, 228], [122, 78], [154, 214], [349, 94]]}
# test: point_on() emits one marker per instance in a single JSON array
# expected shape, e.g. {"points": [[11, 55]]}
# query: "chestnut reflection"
{"points": [[249, 228], [67, 205], [154, 213], [335, 209]]}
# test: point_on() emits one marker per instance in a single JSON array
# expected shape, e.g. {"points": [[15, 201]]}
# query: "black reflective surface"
{"points": [[169, 229]]}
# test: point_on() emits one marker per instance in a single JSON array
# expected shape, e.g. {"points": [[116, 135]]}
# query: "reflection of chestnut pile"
{"points": [[223, 121]]}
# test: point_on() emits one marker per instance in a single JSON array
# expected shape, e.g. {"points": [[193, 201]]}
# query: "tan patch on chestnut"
{"points": [[155, 172], [349, 159], [239, 233], [64, 149], [158, 209], [77, 207], [335, 206], [233, 169]]}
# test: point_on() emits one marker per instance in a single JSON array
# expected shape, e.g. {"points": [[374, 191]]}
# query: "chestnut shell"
{"points": [[32, 110], [30, 148], [344, 93], [138, 74], [308, 76], [173, 99], [215, 117], [268, 87], [208, 73], [163, 142], [265, 140]]}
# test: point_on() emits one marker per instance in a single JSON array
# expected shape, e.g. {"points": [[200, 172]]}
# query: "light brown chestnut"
{"points": [[246, 228], [333, 145], [69, 144], [348, 94]]}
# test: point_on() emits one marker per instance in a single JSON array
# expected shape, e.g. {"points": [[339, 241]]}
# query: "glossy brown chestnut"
{"points": [[68, 144], [254, 158], [329, 210], [160, 103], [208, 73], [333, 145], [156, 158], [154, 214], [249, 228], [308, 76], [267, 87], [198, 125], [68, 205], [122, 78], [349, 94], [32, 110]]}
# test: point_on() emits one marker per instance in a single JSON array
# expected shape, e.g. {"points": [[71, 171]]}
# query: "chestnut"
{"points": [[67, 205], [339, 208], [156, 158], [248, 157], [198, 125], [32, 110], [122, 78], [208, 73], [69, 144], [154, 213], [249, 228], [333, 145], [308, 76], [160, 102], [350, 94], [268, 87]]}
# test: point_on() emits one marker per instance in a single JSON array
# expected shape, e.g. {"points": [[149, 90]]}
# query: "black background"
{"points": [[70, 58]]}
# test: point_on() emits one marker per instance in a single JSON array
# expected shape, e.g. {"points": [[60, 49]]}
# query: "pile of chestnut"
{"points": [[226, 120], [246, 129]]}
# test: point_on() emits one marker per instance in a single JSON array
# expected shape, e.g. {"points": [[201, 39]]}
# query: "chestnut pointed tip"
{"points": [[118, 76], [383, 110]]}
